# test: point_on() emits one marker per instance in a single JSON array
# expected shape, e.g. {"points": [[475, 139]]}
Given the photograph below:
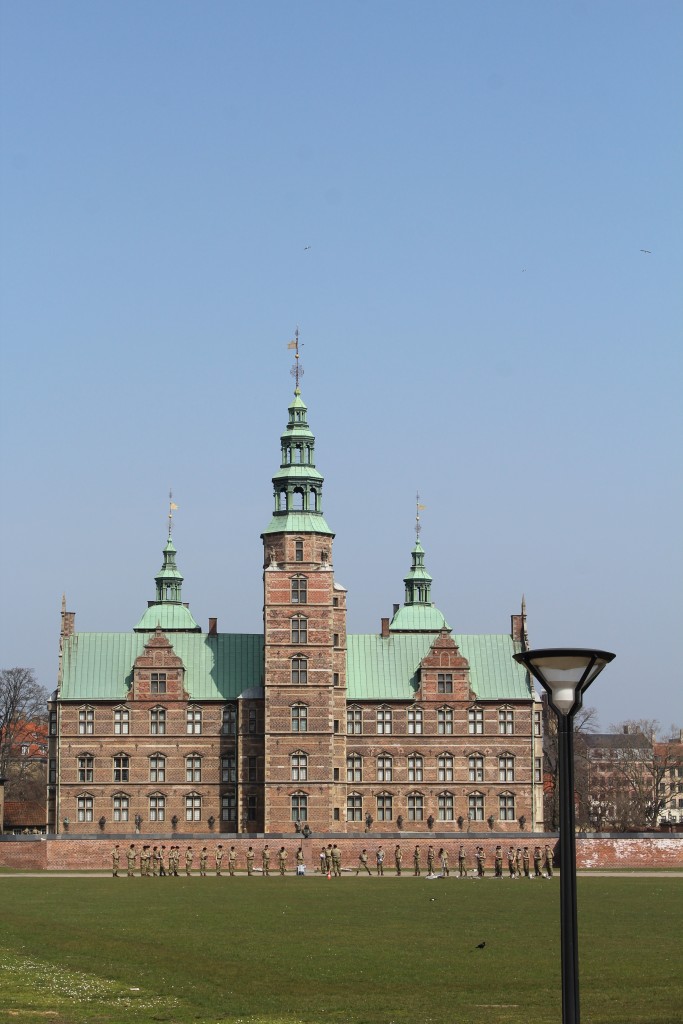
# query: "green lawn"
{"points": [[362, 951]]}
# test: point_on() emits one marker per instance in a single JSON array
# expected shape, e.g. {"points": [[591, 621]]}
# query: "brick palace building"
{"points": [[170, 729]]}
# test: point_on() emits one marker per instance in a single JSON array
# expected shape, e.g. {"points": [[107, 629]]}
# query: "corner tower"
{"points": [[304, 613]]}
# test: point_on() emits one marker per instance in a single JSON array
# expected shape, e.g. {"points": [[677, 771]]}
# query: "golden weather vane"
{"points": [[297, 370], [171, 509]]}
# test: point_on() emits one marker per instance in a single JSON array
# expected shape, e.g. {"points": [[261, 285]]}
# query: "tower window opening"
{"points": [[283, 501], [313, 501], [298, 504]]}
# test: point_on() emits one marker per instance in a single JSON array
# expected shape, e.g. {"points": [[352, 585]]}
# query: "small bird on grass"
{"points": [[480, 945]]}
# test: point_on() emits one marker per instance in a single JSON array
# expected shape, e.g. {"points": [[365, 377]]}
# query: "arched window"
{"points": [[446, 805], [299, 630], [506, 768], [299, 807], [193, 807], [385, 768], [193, 768], [299, 766], [298, 499], [354, 768], [445, 767], [299, 671], [416, 805], [415, 768], [354, 807], [506, 807], [282, 500], [299, 592], [415, 720], [157, 768], [121, 807], [313, 500]]}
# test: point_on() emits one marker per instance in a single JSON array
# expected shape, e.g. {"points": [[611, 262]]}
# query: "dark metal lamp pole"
{"points": [[565, 674]]}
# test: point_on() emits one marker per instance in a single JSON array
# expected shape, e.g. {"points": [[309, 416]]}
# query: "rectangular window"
{"points": [[193, 807], [252, 808], [354, 721], [445, 768], [229, 720], [299, 631], [252, 769], [444, 682], [120, 808], [299, 671], [229, 807], [335, 814], [158, 682], [299, 718], [298, 551], [385, 768], [506, 768], [445, 721], [335, 725], [538, 769], [299, 767], [53, 723], [52, 778], [476, 768], [194, 720], [415, 768], [445, 807], [299, 807], [354, 807], [354, 768], [193, 768], [475, 721], [385, 807], [85, 808], [506, 721], [415, 807], [475, 802], [121, 721], [299, 590], [229, 768], [157, 808], [507, 807], [336, 640], [336, 774], [121, 768], [157, 721], [335, 679], [86, 721], [537, 723], [85, 768], [252, 721], [157, 768], [384, 721], [414, 721]]}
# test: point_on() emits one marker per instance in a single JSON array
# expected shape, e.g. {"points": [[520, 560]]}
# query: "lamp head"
{"points": [[565, 673]]}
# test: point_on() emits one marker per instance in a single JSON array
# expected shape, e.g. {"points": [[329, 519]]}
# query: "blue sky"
{"points": [[476, 183]]}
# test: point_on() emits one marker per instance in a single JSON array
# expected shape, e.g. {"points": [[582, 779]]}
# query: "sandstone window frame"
{"points": [[354, 807], [354, 720], [157, 682], [506, 720], [476, 763], [415, 720], [229, 722], [385, 807], [193, 806], [444, 682], [156, 805], [121, 767], [446, 806], [193, 767], [415, 767], [299, 671], [475, 720], [298, 764], [476, 806], [445, 767], [385, 720], [85, 807], [229, 805], [298, 630], [385, 767], [444, 720], [416, 806], [299, 717], [506, 767], [193, 720], [157, 721], [157, 767], [298, 593], [506, 806], [298, 803], [229, 768], [85, 767], [298, 551], [354, 767], [121, 720], [120, 803], [86, 720]]}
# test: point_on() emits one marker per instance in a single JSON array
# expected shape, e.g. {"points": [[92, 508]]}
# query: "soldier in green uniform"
{"points": [[518, 863], [511, 861], [322, 861], [363, 862], [416, 861], [282, 860], [115, 857], [548, 861], [481, 862], [525, 862], [538, 859], [498, 862], [430, 860], [189, 857], [443, 857], [176, 861], [250, 861], [336, 861], [144, 862], [130, 860], [155, 861], [203, 858], [162, 861], [462, 862], [232, 860], [328, 859], [265, 861], [398, 857], [219, 859], [379, 857]]}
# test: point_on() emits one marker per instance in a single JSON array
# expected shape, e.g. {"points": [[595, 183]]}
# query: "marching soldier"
{"points": [[282, 860], [511, 861], [130, 859], [363, 859], [189, 857], [498, 862], [548, 861], [250, 861], [232, 860], [203, 858], [462, 862], [416, 861], [430, 860], [219, 859], [398, 857], [265, 861], [538, 859], [525, 862], [115, 857]]}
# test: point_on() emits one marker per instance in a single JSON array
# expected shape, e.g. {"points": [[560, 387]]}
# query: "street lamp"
{"points": [[565, 674]]}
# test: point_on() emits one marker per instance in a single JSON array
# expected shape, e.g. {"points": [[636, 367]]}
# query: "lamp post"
{"points": [[565, 674]]}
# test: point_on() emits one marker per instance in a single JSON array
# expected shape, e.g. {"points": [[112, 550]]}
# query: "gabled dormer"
{"points": [[444, 673], [158, 673]]}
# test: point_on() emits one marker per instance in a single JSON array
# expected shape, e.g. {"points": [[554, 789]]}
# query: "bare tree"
{"points": [[643, 774], [22, 708], [585, 722]]}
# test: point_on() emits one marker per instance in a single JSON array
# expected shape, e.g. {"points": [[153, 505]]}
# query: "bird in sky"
{"points": [[648, 251], [306, 247]]}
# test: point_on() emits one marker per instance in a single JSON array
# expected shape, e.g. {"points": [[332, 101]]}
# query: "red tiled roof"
{"points": [[25, 814]]}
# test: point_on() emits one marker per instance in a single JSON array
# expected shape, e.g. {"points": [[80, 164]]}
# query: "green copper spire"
{"points": [[418, 614], [297, 486], [168, 610]]}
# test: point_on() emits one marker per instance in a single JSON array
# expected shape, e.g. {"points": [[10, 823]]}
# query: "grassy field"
{"points": [[362, 951]]}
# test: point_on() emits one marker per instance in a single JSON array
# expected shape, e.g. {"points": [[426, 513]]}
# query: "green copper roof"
{"points": [[297, 522], [171, 617], [425, 617], [98, 666], [385, 669]]}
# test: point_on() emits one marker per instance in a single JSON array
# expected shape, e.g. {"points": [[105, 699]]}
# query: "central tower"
{"points": [[304, 624]]}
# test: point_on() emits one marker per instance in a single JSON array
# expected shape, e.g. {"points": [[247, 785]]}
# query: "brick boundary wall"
{"points": [[55, 853]]}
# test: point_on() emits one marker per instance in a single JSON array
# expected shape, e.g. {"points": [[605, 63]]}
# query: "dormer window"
{"points": [[158, 682], [444, 682]]}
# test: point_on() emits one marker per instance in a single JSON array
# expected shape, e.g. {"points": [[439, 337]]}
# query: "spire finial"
{"points": [[418, 508], [297, 370], [172, 507]]}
